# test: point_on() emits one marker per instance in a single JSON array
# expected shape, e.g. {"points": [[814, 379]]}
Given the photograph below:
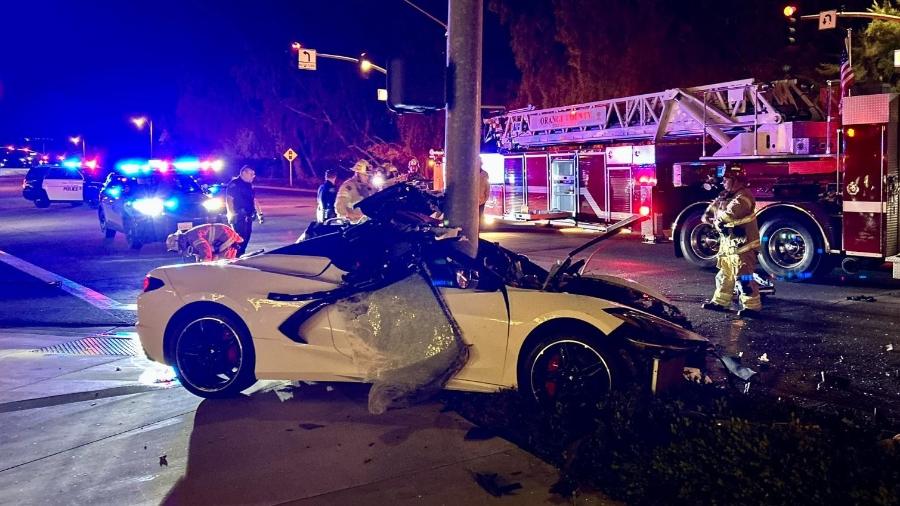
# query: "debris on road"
{"points": [[490, 483], [764, 358], [861, 298], [310, 426], [284, 395], [733, 364], [889, 347], [163, 461]]}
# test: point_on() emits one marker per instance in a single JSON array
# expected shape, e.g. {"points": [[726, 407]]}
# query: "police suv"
{"points": [[46, 184], [147, 203]]}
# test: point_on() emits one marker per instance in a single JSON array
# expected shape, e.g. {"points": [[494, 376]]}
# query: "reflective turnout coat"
{"points": [[734, 215], [349, 194]]}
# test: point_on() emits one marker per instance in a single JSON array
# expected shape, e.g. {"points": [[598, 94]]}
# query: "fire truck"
{"points": [[824, 171]]}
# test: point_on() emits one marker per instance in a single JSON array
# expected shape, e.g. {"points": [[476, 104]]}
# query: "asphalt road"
{"points": [[810, 327], [820, 347]]}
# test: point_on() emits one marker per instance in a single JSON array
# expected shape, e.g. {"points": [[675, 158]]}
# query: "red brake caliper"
{"points": [[552, 366]]}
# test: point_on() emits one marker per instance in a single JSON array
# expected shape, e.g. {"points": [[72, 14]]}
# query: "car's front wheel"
{"points": [[568, 367], [213, 354], [104, 225], [132, 235]]}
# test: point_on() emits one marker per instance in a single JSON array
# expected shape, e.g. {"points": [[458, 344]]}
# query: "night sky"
{"points": [[83, 68], [70, 68]]}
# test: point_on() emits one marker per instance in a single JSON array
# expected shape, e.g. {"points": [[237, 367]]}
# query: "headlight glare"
{"points": [[213, 204], [150, 206]]}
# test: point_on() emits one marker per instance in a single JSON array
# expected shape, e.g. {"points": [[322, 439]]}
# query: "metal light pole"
{"points": [[139, 122], [80, 140], [463, 119]]}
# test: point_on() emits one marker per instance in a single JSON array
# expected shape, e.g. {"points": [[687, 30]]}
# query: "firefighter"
{"points": [[207, 242], [733, 215], [326, 196], [353, 191]]}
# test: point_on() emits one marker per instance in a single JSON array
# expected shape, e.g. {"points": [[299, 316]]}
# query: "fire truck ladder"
{"points": [[723, 111]]}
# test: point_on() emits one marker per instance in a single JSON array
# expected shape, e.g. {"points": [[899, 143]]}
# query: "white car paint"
{"points": [[243, 287]]}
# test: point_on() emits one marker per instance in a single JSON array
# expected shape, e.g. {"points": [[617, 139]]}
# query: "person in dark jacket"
{"points": [[242, 206], [326, 197]]}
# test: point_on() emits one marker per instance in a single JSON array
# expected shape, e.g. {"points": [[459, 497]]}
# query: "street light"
{"points": [[366, 65], [139, 123], [79, 139]]}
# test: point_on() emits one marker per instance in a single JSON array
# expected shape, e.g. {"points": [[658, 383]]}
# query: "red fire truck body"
{"points": [[826, 182]]}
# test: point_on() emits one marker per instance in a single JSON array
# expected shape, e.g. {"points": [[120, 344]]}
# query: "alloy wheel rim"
{"points": [[569, 369], [209, 354]]}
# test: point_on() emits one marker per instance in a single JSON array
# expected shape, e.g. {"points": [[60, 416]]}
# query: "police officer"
{"points": [[242, 206], [353, 191], [733, 214], [326, 196]]}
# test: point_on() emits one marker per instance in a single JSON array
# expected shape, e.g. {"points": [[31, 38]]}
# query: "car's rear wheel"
{"points": [[104, 226], [132, 236], [568, 367], [42, 201], [213, 354]]}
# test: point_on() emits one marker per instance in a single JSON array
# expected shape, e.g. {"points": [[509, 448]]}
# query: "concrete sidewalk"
{"points": [[90, 430]]}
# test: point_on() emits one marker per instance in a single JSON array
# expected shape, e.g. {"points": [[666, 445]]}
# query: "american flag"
{"points": [[847, 77]]}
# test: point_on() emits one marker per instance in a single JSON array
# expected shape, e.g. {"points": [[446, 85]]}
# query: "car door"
{"points": [[64, 186], [481, 312]]}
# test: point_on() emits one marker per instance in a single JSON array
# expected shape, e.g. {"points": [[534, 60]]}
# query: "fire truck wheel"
{"points": [[698, 241], [790, 249]]}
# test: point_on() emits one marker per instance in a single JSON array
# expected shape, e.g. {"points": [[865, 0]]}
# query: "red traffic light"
{"points": [[789, 10]]}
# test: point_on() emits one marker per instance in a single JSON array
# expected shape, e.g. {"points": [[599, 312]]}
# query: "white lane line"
{"points": [[84, 293]]}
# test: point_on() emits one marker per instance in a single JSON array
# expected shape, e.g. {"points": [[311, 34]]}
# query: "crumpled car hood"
{"points": [[627, 293]]}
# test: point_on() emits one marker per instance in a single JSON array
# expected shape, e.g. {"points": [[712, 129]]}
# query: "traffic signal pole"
{"points": [[463, 120]]}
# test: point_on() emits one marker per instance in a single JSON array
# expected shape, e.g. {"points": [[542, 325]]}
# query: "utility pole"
{"points": [[463, 119]]}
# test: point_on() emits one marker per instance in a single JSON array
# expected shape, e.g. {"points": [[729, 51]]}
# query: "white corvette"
{"points": [[284, 315]]}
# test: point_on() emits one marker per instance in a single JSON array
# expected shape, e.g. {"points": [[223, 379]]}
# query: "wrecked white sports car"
{"points": [[391, 302]]}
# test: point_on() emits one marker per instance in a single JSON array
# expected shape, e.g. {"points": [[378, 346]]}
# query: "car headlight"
{"points": [[149, 207], [378, 181], [213, 204]]}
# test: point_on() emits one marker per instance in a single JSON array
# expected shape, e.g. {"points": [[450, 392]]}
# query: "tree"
{"points": [[874, 59]]}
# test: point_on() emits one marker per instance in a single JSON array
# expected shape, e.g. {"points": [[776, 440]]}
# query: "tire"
{"points": [[698, 241], [212, 353], [131, 235], [790, 248], [104, 226], [43, 201], [570, 367]]}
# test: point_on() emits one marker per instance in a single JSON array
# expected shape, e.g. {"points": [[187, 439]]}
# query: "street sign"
{"points": [[290, 154], [306, 59], [828, 20], [382, 95]]}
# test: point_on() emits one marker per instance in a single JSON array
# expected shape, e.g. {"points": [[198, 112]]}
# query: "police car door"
{"points": [[64, 186]]}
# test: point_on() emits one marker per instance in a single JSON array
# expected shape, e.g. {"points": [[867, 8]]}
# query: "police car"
{"points": [[46, 184], [147, 201]]}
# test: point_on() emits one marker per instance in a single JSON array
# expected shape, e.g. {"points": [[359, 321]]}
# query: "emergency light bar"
{"points": [[181, 165]]}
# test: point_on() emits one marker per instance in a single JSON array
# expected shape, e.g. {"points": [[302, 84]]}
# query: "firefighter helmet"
{"points": [[736, 172], [361, 166]]}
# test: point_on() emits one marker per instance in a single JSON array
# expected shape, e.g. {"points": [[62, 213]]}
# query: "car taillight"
{"points": [[151, 283]]}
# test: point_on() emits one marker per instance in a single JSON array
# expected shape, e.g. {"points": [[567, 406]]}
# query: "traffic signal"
{"points": [[790, 15]]}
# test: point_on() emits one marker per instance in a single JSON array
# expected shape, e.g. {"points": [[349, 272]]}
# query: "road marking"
{"points": [[84, 293]]}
